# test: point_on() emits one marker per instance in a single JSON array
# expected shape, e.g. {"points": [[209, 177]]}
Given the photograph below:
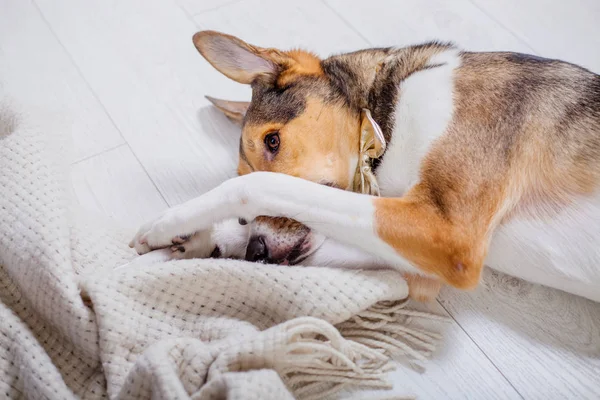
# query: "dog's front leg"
{"points": [[334, 254], [409, 229], [327, 210]]}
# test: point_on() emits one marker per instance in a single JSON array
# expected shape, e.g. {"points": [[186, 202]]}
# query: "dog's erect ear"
{"points": [[234, 110], [233, 57], [245, 63]]}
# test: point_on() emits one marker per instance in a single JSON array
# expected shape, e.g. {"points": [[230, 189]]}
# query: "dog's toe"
{"points": [[180, 239], [178, 248]]}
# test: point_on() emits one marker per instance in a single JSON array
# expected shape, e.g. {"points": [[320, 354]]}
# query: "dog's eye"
{"points": [[272, 142]]}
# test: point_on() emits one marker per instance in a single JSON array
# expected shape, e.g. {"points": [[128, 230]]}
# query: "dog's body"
{"points": [[482, 148]]}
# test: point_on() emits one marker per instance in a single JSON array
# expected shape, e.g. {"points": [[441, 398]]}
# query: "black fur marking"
{"points": [[383, 97], [586, 111], [216, 253], [295, 252], [432, 66], [346, 75], [274, 104], [588, 104], [436, 194], [344, 81], [520, 58]]}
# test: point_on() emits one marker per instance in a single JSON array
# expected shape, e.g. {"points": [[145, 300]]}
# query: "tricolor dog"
{"points": [[481, 158]]}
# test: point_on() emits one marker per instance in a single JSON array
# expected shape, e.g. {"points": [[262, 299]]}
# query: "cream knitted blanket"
{"points": [[71, 326]]}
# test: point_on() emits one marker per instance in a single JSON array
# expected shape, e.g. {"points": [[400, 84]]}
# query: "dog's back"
{"points": [[523, 141], [544, 128]]}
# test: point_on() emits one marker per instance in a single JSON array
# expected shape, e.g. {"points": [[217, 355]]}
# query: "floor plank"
{"points": [[385, 23], [36, 73], [193, 7], [546, 342], [139, 58], [114, 184], [309, 24], [554, 29], [457, 370]]}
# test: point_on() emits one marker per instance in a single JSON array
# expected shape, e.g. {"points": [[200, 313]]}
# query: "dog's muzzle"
{"points": [[257, 250]]}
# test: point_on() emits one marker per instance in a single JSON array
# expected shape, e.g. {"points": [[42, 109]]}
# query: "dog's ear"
{"points": [[234, 110], [245, 63], [233, 57]]}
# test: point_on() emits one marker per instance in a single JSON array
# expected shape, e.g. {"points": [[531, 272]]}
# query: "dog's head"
{"points": [[302, 121]]}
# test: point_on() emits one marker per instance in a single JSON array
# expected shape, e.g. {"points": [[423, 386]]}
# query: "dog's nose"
{"points": [[257, 249]]}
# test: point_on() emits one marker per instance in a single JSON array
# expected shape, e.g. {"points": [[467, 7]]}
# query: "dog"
{"points": [[480, 158]]}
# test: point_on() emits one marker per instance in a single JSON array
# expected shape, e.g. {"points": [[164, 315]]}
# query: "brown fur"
{"points": [[307, 150], [524, 139], [507, 151], [305, 64]]}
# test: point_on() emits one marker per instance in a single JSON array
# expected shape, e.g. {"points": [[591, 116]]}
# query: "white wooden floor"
{"points": [[130, 83]]}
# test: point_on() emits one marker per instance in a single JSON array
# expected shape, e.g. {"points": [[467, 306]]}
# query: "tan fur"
{"points": [[317, 145], [305, 63], [414, 228], [421, 288], [243, 168]]}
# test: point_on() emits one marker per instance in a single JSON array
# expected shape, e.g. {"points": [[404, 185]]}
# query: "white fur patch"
{"points": [[559, 251], [231, 238], [424, 110]]}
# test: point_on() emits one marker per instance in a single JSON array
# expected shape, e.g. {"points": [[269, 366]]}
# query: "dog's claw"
{"points": [[180, 239]]}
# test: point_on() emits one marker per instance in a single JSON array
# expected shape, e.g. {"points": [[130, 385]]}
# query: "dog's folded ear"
{"points": [[247, 64], [234, 110]]}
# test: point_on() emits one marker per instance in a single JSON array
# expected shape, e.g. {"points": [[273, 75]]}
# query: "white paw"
{"points": [[158, 234], [198, 245], [228, 200]]}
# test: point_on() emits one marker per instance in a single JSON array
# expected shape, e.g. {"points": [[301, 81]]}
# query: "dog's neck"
{"points": [[371, 78]]}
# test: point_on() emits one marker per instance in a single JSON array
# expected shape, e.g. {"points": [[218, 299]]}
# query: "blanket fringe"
{"points": [[388, 326], [321, 360]]}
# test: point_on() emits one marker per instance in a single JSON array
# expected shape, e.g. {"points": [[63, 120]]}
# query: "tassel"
{"points": [[321, 360]]}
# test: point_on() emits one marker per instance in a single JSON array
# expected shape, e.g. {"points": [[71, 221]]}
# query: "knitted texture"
{"points": [[71, 326]]}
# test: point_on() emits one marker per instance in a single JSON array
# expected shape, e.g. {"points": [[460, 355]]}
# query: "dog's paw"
{"points": [[140, 245], [198, 245], [180, 239], [180, 252], [160, 233]]}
